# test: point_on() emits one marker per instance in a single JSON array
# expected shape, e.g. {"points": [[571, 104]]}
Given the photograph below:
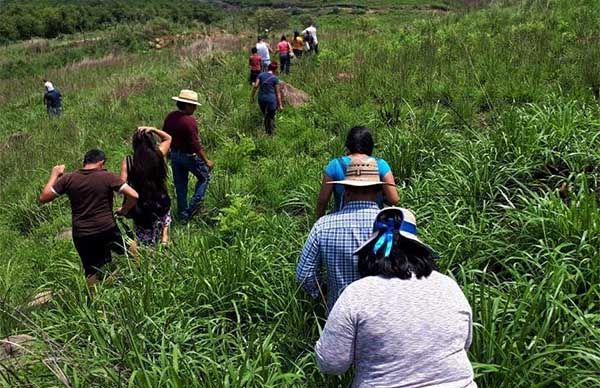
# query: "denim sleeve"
{"points": [[335, 348], [309, 266]]}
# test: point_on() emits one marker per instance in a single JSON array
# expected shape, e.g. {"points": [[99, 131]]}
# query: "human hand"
{"points": [[210, 164], [58, 170], [144, 129], [119, 212]]}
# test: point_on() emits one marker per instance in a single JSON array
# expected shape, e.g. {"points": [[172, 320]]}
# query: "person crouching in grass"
{"points": [[402, 321], [90, 191]]}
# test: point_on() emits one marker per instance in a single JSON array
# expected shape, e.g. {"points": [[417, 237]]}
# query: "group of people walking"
{"points": [[263, 71], [142, 181], [392, 316]]}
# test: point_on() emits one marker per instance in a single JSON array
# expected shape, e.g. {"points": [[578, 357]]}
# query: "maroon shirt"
{"points": [[91, 196], [255, 62], [184, 131]]}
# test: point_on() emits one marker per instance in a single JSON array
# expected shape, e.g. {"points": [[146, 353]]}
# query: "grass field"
{"points": [[489, 120]]}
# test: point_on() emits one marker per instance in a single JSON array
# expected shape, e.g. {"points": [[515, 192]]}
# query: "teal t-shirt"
{"points": [[336, 170]]}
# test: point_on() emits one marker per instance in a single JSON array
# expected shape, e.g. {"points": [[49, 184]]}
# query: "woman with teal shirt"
{"points": [[359, 144]]}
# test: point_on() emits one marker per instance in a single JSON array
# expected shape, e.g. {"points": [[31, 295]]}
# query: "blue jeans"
{"points": [[182, 164]]}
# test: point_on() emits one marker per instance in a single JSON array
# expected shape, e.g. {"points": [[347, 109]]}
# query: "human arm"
{"points": [[309, 267], [131, 198], [335, 348], [123, 175], [389, 191], [278, 94], [196, 144], [48, 193], [255, 86], [165, 138], [324, 195]]}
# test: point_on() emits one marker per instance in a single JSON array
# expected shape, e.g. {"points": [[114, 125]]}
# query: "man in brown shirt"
{"points": [[90, 191], [187, 154]]}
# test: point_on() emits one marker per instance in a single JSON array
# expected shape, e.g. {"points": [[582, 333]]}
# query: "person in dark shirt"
{"points": [[90, 191], [269, 96], [187, 154], [52, 99], [255, 63]]}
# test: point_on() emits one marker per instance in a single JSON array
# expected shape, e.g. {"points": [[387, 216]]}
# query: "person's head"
{"points": [[394, 250], [94, 158], [253, 50], [359, 141], [48, 86], [273, 66], [296, 34], [260, 39], [283, 38], [149, 171], [187, 101]]}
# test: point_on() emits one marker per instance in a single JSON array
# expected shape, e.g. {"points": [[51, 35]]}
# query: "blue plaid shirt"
{"points": [[333, 239]]}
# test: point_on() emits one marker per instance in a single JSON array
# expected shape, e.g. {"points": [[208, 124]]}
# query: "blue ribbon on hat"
{"points": [[387, 229]]}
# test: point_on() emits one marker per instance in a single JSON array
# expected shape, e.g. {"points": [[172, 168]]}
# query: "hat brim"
{"points": [[349, 182], [186, 101], [407, 235]]}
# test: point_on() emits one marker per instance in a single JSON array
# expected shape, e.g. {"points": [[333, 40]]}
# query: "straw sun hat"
{"points": [[362, 173], [187, 96]]}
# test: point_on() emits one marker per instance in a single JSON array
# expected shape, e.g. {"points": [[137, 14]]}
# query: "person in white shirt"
{"points": [[264, 50], [312, 30]]}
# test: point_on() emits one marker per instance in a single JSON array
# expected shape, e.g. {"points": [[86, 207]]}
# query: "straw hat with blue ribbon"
{"points": [[389, 221]]}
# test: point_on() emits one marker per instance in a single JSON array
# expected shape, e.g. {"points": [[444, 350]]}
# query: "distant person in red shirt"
{"points": [[187, 154], [255, 65], [90, 191], [285, 52]]}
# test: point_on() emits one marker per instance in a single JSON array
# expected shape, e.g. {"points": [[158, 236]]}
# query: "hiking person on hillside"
{"points": [[298, 44], [264, 50], [313, 41], [255, 63], [187, 154], [269, 96], [90, 191], [359, 145], [334, 237], [52, 99], [146, 172], [402, 321], [285, 52], [308, 42]]}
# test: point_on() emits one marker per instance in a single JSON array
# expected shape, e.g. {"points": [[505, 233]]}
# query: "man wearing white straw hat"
{"points": [[187, 154], [334, 237]]}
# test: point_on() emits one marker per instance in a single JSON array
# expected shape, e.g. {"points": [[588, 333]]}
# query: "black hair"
{"points": [[149, 172], [93, 156], [253, 50], [359, 140], [406, 258], [283, 38], [296, 34], [258, 39], [182, 105]]}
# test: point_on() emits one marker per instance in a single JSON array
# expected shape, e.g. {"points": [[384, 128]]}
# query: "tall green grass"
{"points": [[488, 120]]}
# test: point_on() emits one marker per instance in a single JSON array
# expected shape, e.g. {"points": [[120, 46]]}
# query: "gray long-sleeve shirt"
{"points": [[400, 333]]}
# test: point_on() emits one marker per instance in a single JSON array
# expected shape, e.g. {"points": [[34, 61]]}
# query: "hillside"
{"points": [[488, 117]]}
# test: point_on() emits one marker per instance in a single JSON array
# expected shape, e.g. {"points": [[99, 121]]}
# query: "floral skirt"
{"points": [[152, 235]]}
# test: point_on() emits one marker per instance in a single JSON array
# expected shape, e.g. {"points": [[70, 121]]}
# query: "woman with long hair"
{"points": [[403, 323], [359, 146], [146, 170]]}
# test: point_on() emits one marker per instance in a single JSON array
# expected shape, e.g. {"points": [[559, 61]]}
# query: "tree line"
{"points": [[25, 19]]}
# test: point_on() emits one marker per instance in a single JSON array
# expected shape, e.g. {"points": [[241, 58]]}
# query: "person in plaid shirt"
{"points": [[335, 237]]}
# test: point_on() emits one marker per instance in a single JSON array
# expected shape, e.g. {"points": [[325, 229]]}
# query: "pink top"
{"points": [[283, 47]]}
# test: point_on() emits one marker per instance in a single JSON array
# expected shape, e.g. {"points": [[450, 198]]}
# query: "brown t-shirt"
{"points": [[91, 196]]}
